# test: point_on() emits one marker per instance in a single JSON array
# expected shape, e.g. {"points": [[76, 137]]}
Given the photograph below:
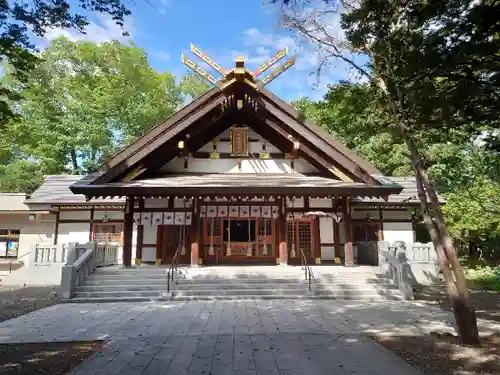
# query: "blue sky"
{"points": [[222, 28]]}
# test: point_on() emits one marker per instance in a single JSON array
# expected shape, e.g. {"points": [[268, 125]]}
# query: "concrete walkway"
{"points": [[233, 337]]}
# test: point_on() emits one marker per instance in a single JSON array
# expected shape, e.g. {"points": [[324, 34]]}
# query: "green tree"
{"points": [[20, 19], [83, 102], [193, 86], [435, 67]]}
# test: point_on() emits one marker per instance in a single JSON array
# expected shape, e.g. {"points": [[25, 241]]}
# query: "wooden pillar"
{"points": [[336, 239], [283, 248], [128, 228], [140, 236], [348, 249], [56, 229], [195, 234], [91, 228], [381, 225]]}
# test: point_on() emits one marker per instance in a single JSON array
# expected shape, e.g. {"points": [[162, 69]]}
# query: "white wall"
{"points": [[326, 236], [32, 232], [231, 165], [149, 237], [398, 232]]}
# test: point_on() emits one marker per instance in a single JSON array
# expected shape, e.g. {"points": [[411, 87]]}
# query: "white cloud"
{"points": [[100, 30], [162, 55], [162, 6]]}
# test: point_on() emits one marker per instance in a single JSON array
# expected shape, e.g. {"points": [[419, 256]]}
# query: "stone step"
{"points": [[130, 298], [210, 287]]}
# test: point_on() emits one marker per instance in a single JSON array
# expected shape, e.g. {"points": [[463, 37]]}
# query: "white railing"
{"points": [[408, 264], [82, 261], [48, 254]]}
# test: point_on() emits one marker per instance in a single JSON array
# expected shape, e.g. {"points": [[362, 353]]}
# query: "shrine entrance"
{"points": [[239, 240]]}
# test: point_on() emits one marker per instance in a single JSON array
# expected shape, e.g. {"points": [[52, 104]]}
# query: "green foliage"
{"points": [[487, 278], [19, 19], [193, 86], [465, 174], [82, 103]]}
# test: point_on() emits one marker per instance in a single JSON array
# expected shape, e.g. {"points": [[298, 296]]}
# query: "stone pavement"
{"points": [[232, 337]]}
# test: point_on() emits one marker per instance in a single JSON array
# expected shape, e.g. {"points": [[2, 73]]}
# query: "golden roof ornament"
{"points": [[239, 72]]}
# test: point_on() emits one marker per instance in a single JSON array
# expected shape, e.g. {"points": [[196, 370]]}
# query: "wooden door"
{"points": [[171, 238], [302, 236]]}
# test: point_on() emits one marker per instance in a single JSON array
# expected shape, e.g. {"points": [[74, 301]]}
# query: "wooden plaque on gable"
{"points": [[239, 141]]}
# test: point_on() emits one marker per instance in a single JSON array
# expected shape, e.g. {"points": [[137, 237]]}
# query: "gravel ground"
{"points": [[22, 300], [54, 358], [442, 354]]}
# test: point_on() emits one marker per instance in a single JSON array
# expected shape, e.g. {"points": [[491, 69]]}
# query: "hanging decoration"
{"points": [[203, 211], [168, 218], [157, 218], [275, 212], [266, 212], [255, 211], [263, 152], [228, 251], [137, 218], [211, 211], [212, 229], [222, 211], [179, 218], [146, 218], [244, 211], [189, 218], [183, 228], [233, 211], [214, 154]]}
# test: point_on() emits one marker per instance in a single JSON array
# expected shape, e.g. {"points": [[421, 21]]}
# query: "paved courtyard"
{"points": [[233, 337]]}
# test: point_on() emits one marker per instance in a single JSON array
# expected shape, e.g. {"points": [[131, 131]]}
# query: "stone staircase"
{"points": [[149, 283]]}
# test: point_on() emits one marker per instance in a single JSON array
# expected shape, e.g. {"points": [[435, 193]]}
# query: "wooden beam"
{"points": [[305, 152], [318, 130], [227, 155], [213, 108], [128, 229], [312, 140], [160, 128]]}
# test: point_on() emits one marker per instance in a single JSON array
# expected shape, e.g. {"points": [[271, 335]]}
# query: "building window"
{"points": [[9, 243], [108, 233]]}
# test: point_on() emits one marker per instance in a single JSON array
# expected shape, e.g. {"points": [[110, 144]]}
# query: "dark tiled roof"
{"points": [[55, 189]]}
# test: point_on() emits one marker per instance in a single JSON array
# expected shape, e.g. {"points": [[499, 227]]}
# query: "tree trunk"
{"points": [[74, 160], [453, 274]]}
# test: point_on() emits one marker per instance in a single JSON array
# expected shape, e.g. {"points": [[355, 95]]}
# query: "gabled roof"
{"points": [[197, 123]]}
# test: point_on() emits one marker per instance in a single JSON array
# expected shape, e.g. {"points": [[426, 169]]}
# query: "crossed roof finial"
{"points": [[239, 72]]}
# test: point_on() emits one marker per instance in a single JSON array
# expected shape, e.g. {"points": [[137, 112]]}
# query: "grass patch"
{"points": [[50, 358], [487, 278]]}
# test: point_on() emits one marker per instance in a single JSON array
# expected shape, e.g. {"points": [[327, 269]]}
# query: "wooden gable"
{"points": [[240, 103]]}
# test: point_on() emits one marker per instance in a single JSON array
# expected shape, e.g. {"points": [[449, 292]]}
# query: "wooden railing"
{"points": [[82, 261]]}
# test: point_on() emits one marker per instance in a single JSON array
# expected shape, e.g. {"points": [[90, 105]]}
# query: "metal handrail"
{"points": [[307, 269], [173, 267], [15, 260]]}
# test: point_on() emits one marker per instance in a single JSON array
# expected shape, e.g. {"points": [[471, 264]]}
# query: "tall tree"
{"points": [[84, 101], [435, 65], [20, 19]]}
